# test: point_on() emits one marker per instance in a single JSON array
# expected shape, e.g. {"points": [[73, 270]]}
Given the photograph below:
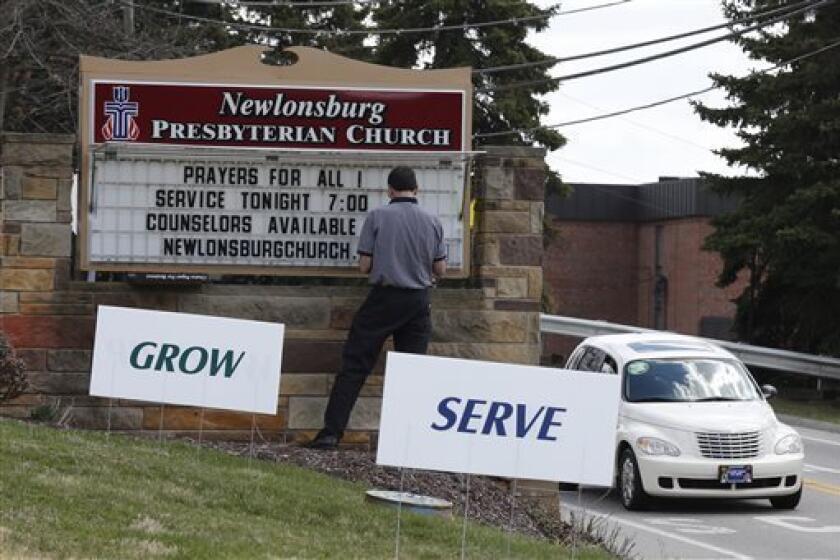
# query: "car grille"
{"points": [[704, 484], [729, 446]]}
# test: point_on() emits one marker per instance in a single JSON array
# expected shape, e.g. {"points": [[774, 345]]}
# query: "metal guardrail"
{"points": [[759, 356]]}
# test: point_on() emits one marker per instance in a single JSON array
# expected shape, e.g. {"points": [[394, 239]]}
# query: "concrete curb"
{"points": [[808, 423]]}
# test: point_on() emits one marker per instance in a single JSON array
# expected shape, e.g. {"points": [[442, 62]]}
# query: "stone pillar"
{"points": [[35, 248], [508, 240]]}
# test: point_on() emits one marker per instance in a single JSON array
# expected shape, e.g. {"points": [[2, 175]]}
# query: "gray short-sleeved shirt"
{"points": [[404, 240]]}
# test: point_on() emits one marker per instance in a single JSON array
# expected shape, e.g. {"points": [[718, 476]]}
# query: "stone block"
{"points": [[9, 301], [182, 418], [507, 205], [12, 182], [35, 331], [63, 273], [512, 287], [342, 317], [39, 188], [496, 183], [29, 210], [307, 413], [26, 262], [56, 309], [37, 149], [314, 384], [505, 222], [529, 184], [33, 360], [517, 305], [48, 240], [537, 214], [487, 252], [9, 244], [313, 313], [492, 352], [24, 279], [63, 217], [478, 326], [100, 417], [311, 356], [140, 298], [56, 297], [521, 250], [64, 194], [60, 383], [68, 360]]}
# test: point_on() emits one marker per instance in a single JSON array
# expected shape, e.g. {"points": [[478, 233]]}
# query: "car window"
{"points": [[591, 360], [609, 365]]}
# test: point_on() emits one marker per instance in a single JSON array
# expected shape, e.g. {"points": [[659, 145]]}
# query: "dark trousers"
{"points": [[403, 313]]}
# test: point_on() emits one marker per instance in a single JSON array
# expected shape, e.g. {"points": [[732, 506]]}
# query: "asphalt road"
{"points": [[743, 529]]}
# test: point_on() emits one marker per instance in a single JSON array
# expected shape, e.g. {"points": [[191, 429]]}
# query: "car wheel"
{"points": [[631, 491], [787, 502]]}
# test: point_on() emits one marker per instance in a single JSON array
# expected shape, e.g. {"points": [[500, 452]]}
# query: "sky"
{"points": [[670, 140]]}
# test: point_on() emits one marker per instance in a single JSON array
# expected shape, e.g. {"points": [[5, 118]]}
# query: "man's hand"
{"points": [[365, 263], [439, 268]]}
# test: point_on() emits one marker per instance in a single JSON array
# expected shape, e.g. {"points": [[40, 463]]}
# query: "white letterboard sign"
{"points": [[498, 419], [181, 358], [253, 210]]}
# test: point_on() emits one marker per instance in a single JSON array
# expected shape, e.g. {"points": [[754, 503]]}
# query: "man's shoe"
{"points": [[323, 442]]}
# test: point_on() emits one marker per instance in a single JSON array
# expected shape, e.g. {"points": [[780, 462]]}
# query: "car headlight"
{"points": [[656, 446], [791, 443]]}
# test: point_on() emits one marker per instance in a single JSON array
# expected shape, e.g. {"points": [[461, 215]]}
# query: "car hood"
{"points": [[727, 417]]}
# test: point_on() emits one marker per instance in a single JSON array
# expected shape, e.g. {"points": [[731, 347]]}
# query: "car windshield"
{"points": [[688, 380]]}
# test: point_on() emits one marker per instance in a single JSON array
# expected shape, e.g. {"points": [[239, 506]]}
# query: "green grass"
{"points": [[80, 494], [826, 411]]}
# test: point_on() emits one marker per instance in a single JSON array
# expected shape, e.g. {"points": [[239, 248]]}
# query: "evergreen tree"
{"points": [[479, 47], [785, 236]]}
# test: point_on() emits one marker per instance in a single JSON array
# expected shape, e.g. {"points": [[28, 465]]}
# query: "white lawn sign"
{"points": [[180, 358], [497, 419]]}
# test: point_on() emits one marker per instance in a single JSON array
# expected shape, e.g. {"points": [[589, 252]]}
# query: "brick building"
{"points": [[633, 254]]}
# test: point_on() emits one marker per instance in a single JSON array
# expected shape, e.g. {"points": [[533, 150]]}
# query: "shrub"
{"points": [[13, 379]]}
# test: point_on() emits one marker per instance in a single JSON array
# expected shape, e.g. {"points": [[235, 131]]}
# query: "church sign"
{"points": [[223, 164]]}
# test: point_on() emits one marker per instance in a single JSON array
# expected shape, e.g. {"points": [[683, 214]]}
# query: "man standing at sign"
{"points": [[401, 249]]}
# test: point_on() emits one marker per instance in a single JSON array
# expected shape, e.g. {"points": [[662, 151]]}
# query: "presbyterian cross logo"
{"points": [[121, 125]]}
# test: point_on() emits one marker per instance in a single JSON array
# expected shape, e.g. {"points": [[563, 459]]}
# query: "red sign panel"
{"points": [[278, 117]]}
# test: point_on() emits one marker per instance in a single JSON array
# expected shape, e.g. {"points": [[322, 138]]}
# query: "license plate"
{"points": [[731, 474]]}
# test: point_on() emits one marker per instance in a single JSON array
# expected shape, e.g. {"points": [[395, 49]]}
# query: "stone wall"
{"points": [[50, 317]]}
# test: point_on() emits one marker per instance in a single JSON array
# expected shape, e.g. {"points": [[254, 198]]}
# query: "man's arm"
{"points": [[439, 268], [366, 263]]}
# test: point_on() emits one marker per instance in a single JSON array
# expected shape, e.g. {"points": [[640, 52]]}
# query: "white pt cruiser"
{"points": [[692, 422]]}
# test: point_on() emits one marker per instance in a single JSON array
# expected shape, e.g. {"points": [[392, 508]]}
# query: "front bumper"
{"points": [[773, 475]]}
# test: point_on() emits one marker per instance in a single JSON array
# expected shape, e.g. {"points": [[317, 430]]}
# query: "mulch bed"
{"points": [[490, 501]]}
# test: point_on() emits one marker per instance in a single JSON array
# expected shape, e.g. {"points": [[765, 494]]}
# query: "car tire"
{"points": [[568, 486], [787, 502], [630, 489]]}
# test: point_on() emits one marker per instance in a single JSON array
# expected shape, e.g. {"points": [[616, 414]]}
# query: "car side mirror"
{"points": [[769, 391]]}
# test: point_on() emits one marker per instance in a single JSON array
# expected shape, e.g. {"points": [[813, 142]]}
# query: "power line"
{"points": [[556, 60], [654, 103], [640, 125], [372, 30], [330, 32], [658, 56]]}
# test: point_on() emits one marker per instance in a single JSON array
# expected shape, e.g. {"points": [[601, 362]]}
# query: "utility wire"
{"points": [[653, 104], [658, 56], [372, 30], [556, 60]]}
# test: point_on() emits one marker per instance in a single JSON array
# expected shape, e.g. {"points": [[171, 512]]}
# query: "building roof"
{"points": [[668, 198]]}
